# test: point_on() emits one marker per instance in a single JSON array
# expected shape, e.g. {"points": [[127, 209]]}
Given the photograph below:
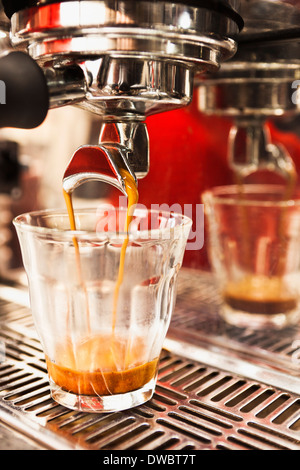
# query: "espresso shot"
{"points": [[255, 254], [260, 296]]}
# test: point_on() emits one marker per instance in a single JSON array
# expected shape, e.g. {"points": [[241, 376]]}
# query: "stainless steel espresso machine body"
{"points": [[125, 60], [128, 60]]}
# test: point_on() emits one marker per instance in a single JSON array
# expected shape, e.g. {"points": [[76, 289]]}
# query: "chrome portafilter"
{"points": [[124, 61]]}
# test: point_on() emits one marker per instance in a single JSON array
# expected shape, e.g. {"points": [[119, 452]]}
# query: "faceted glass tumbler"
{"points": [[102, 327]]}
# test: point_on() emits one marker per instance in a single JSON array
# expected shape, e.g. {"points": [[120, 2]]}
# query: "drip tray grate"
{"points": [[196, 321], [197, 404]]}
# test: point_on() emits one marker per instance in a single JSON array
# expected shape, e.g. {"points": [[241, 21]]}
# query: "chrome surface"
{"points": [[131, 88], [270, 18], [66, 85], [138, 57], [110, 160], [261, 81], [179, 31], [125, 60], [261, 78], [122, 146], [223, 389], [131, 140], [250, 149], [252, 88]]}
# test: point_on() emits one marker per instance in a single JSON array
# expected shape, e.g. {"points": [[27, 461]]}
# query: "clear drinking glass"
{"points": [[254, 248], [102, 334]]}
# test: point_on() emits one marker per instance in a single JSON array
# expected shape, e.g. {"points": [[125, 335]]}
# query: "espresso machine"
{"points": [[158, 74], [123, 61]]}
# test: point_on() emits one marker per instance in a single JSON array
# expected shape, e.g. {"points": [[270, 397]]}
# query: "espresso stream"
{"points": [[103, 364]]}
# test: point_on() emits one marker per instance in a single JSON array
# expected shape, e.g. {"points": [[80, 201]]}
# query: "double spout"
{"points": [[123, 146], [250, 150]]}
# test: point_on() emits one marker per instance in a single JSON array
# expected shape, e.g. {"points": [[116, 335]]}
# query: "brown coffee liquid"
{"points": [[103, 364], [259, 295], [133, 196]]}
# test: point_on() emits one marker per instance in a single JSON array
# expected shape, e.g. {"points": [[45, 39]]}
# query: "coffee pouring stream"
{"points": [[120, 158]]}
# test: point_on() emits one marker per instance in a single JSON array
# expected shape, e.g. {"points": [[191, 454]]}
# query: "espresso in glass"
{"points": [[260, 295], [254, 245]]}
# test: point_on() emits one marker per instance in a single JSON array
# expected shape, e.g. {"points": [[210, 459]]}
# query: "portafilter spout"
{"points": [[250, 150], [122, 146]]}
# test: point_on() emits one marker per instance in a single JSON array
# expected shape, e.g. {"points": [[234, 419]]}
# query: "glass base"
{"points": [[102, 404], [243, 319]]}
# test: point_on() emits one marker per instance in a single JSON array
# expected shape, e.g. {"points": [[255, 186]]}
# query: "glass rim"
{"points": [[221, 195], [67, 234]]}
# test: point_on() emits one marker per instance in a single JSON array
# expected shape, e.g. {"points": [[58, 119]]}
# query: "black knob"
{"points": [[12, 6], [24, 97]]}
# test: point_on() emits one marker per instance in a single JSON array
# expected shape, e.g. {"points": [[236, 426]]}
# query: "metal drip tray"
{"points": [[218, 388], [270, 355]]}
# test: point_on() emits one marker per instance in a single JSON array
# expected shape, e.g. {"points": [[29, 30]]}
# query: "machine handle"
{"points": [[24, 97]]}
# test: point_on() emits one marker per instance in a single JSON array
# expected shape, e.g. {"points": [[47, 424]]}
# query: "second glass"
{"points": [[102, 330], [254, 246]]}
